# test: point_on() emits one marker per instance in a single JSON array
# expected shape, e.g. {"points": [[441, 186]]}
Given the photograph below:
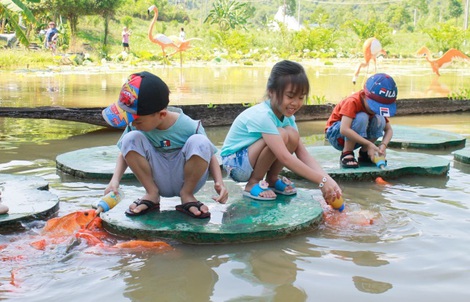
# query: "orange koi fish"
{"points": [[77, 225], [348, 217], [144, 245], [89, 237], [358, 218], [69, 224], [60, 229], [380, 181], [87, 226]]}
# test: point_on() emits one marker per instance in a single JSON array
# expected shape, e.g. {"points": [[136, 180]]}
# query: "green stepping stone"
{"points": [[399, 164], [27, 198], [424, 138], [99, 163], [240, 220], [91, 163], [462, 155]]}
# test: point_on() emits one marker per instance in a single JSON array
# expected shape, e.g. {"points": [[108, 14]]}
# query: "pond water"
{"points": [[100, 86], [416, 248]]}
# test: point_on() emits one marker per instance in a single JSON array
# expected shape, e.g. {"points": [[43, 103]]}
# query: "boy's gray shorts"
{"points": [[168, 167]]}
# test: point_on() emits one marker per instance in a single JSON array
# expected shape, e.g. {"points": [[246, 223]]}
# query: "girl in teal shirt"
{"points": [[264, 139]]}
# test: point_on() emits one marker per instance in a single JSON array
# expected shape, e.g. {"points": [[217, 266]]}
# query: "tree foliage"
{"points": [[446, 36], [291, 7], [106, 9], [455, 8], [398, 16], [372, 28], [229, 14], [320, 16], [318, 38], [72, 10], [10, 10], [238, 27]]}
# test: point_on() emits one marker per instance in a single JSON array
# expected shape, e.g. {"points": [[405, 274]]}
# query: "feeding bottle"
{"points": [[338, 204], [380, 161], [108, 201]]}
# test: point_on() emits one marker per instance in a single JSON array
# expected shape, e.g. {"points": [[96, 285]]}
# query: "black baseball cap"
{"points": [[143, 93]]}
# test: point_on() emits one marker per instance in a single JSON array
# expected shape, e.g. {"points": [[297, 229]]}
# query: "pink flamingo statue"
{"points": [[443, 61], [165, 41], [371, 48]]}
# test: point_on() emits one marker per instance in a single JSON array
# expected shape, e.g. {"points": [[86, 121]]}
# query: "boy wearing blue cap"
{"points": [[168, 152], [360, 119]]}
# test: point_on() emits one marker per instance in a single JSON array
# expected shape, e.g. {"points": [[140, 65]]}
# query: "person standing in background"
{"points": [[51, 37], [182, 34], [125, 39]]}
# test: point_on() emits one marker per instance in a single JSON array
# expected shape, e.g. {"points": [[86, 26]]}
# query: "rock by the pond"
{"points": [[240, 220], [28, 198]]}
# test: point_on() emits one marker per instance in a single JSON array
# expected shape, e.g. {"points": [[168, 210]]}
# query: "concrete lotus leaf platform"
{"points": [[28, 199], [240, 220], [99, 162], [462, 155], [399, 163], [424, 138], [91, 163]]}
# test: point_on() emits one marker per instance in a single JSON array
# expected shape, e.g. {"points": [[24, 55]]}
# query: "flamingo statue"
{"points": [[371, 48], [165, 41], [443, 61]]}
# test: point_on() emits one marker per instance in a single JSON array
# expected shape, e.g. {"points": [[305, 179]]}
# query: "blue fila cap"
{"points": [[381, 94]]}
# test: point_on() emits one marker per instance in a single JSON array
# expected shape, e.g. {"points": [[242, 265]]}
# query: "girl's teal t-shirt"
{"points": [[250, 125]]}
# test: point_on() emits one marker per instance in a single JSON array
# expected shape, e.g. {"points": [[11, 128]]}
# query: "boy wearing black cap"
{"points": [[360, 119], [168, 152]]}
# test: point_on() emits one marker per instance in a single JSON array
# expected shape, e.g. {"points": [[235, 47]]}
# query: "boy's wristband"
{"points": [[383, 144]]}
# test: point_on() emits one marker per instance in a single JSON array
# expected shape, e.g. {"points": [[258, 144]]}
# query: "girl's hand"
{"points": [[331, 191]]}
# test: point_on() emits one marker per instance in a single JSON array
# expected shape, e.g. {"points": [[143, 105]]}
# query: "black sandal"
{"points": [[348, 161], [184, 208], [151, 206], [364, 158]]}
